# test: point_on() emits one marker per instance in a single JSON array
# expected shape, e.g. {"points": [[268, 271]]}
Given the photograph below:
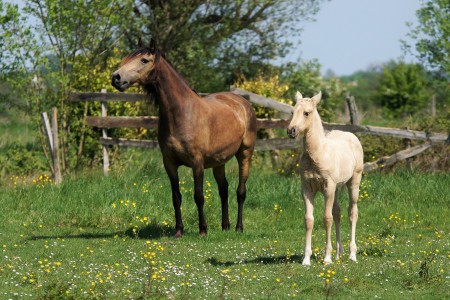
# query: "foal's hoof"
{"points": [[202, 233], [239, 228]]}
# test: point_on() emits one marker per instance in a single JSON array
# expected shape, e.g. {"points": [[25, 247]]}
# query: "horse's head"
{"points": [[135, 68], [302, 114]]}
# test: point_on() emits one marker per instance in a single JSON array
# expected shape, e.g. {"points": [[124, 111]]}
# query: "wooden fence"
{"points": [[104, 122]]}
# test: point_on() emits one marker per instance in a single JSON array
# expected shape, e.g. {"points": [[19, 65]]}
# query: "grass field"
{"points": [[98, 237]]}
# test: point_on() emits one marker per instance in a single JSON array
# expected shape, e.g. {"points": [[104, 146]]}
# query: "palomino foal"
{"points": [[329, 161]]}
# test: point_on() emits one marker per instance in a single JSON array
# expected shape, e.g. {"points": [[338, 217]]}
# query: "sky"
{"points": [[351, 35]]}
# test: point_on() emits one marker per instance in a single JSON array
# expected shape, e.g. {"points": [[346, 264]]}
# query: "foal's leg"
{"points": [[199, 197], [219, 175], [327, 220], [244, 159], [337, 222], [308, 197], [353, 191], [172, 172]]}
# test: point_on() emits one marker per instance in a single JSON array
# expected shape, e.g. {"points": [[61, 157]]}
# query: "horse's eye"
{"points": [[306, 113], [144, 60]]}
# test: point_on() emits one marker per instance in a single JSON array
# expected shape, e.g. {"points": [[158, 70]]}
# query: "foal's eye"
{"points": [[144, 60], [306, 113]]}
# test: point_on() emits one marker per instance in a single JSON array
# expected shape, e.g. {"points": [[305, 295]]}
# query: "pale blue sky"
{"points": [[351, 35]]}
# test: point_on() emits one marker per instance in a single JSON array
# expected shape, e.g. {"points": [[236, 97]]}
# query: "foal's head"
{"points": [[135, 68], [302, 114]]}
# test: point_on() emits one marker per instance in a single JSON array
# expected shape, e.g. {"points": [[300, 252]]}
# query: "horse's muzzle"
{"points": [[118, 83]]}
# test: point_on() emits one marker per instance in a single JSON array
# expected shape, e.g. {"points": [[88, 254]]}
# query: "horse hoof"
{"points": [[178, 234], [202, 233]]}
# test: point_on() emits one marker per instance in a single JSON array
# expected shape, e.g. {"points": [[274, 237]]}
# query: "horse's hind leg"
{"points": [[244, 160], [222, 183], [353, 191]]}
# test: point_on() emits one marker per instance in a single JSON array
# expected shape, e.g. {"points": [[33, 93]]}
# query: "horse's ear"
{"points": [[298, 96], [140, 43], [152, 45], [316, 98]]}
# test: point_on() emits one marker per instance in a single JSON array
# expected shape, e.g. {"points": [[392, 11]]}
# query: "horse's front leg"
{"points": [[172, 172], [199, 197], [308, 197], [328, 194], [222, 183]]}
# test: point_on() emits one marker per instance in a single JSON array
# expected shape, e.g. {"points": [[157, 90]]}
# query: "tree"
{"points": [[67, 47], [212, 42], [431, 37], [73, 45], [402, 89]]}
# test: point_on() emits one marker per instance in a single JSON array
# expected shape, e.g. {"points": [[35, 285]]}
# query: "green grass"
{"points": [[16, 130], [98, 237]]}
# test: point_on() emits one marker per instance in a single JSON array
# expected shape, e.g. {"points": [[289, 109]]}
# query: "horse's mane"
{"points": [[161, 54], [158, 55]]}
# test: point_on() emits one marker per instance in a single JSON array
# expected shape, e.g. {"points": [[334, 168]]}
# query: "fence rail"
{"points": [[104, 122], [152, 122]]}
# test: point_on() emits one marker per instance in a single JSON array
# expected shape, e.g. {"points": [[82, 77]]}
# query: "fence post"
{"points": [[354, 118], [105, 135], [55, 152], [409, 160], [52, 137]]}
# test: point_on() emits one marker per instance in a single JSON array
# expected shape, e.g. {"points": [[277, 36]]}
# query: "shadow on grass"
{"points": [[148, 232], [263, 260]]}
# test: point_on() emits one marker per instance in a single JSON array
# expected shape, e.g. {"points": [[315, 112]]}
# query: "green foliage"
{"points": [[22, 160], [305, 77], [266, 86], [282, 83], [69, 47], [402, 89], [363, 85], [431, 36]]}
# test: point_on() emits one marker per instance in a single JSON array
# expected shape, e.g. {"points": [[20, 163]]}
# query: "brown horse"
{"points": [[197, 132]]}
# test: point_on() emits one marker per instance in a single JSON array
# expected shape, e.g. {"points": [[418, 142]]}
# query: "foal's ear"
{"points": [[298, 96], [140, 43], [316, 98]]}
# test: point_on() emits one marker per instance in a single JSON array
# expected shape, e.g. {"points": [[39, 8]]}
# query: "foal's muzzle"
{"points": [[292, 132]]}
